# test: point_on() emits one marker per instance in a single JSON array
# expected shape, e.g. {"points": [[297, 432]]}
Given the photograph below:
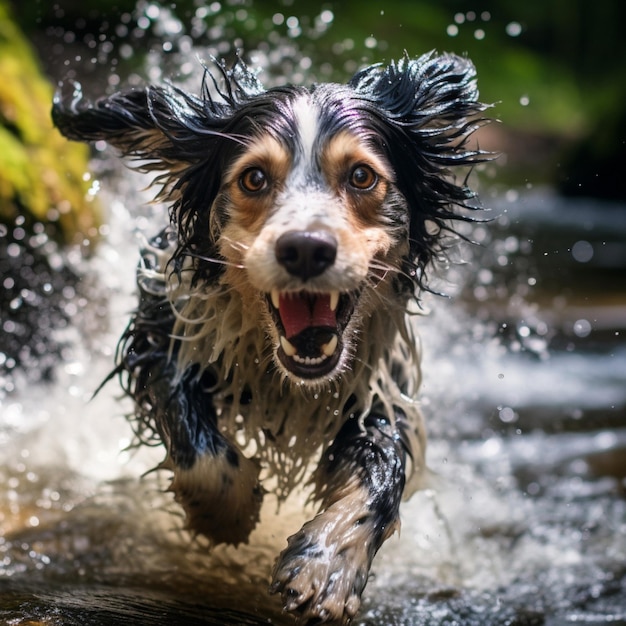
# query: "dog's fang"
{"points": [[275, 296], [334, 300], [329, 348], [288, 348]]}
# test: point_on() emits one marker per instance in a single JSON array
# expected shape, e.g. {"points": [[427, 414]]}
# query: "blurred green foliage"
{"points": [[41, 174]]}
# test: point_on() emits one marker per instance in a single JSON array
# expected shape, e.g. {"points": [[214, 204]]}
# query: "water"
{"points": [[524, 521], [524, 518]]}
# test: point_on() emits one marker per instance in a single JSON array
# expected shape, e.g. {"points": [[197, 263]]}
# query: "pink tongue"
{"points": [[300, 311]]}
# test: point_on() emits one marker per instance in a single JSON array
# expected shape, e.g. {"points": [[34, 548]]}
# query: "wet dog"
{"points": [[273, 342]]}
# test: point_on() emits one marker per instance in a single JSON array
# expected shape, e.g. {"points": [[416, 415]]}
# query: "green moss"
{"points": [[41, 173]]}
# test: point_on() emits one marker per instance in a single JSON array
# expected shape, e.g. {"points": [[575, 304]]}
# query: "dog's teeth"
{"points": [[275, 295], [334, 300], [288, 348], [329, 348], [307, 360]]}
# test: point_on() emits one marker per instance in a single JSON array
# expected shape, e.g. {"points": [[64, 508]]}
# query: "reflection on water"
{"points": [[524, 520]]}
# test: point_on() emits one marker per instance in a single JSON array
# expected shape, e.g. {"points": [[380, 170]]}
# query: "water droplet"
{"points": [[153, 11], [327, 16], [371, 42], [485, 276], [513, 29], [13, 250], [507, 415], [512, 195], [582, 328], [582, 251], [533, 489], [480, 293], [511, 244]]}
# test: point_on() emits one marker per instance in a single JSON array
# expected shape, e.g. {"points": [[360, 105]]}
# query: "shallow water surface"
{"points": [[523, 520]]}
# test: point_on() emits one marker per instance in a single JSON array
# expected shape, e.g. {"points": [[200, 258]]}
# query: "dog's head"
{"points": [[321, 206]]}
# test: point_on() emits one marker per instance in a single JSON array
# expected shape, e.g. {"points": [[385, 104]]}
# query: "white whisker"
{"points": [[208, 259], [235, 245]]}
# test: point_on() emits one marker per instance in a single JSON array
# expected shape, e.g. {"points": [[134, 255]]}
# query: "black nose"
{"points": [[306, 254]]}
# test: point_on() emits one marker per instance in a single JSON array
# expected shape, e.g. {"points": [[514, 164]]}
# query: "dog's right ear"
{"points": [[152, 123]]}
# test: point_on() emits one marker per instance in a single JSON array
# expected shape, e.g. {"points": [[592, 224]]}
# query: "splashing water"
{"points": [[524, 520]]}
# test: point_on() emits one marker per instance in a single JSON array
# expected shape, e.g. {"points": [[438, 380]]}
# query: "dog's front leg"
{"points": [[216, 485], [325, 566]]}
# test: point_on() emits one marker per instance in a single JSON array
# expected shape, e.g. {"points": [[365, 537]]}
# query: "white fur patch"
{"points": [[306, 116]]}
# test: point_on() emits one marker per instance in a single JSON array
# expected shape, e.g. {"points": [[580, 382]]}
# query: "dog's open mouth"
{"points": [[310, 327]]}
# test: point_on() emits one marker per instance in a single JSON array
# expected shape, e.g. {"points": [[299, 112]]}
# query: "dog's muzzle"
{"points": [[310, 323]]}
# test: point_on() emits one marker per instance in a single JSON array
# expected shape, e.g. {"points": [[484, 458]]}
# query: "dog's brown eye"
{"points": [[363, 177], [253, 180]]}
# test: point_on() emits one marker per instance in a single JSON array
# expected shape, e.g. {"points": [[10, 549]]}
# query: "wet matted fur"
{"points": [[272, 342]]}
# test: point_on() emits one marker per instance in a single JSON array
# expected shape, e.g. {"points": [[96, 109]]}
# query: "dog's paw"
{"points": [[221, 498], [321, 580]]}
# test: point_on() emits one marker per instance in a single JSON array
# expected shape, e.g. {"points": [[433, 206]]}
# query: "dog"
{"points": [[273, 342]]}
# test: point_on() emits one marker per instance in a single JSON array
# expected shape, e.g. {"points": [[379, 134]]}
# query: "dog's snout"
{"points": [[306, 254]]}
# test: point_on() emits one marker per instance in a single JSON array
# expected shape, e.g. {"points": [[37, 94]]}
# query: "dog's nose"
{"points": [[306, 254]]}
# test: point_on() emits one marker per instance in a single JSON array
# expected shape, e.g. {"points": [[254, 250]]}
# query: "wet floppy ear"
{"points": [[153, 123], [426, 110], [437, 92]]}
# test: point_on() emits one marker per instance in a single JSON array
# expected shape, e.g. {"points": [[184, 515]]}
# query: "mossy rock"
{"points": [[41, 173]]}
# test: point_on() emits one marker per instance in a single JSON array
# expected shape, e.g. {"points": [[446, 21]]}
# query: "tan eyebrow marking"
{"points": [[269, 155], [340, 156]]}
